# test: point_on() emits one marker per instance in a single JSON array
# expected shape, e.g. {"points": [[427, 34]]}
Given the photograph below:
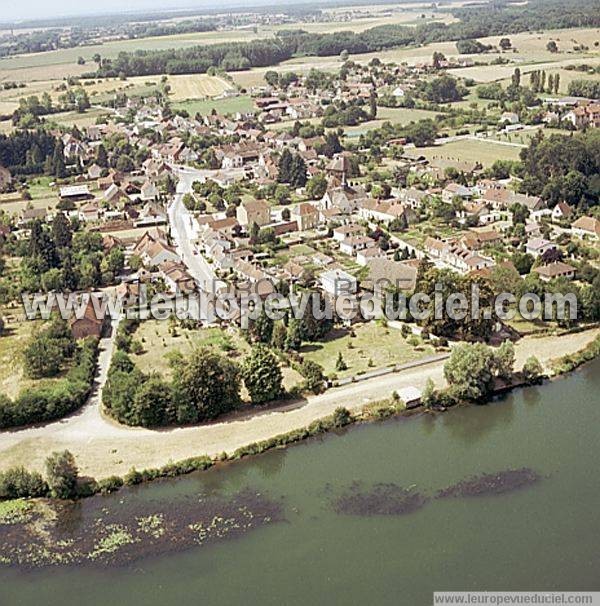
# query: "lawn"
{"points": [[158, 343], [403, 115], [81, 120], [373, 346], [12, 342], [469, 150], [231, 105]]}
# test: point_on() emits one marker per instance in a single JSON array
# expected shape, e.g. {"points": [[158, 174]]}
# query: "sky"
{"points": [[38, 9]]}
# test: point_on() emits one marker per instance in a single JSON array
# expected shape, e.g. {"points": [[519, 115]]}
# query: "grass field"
{"points": [[242, 103], [43, 196], [81, 120], [12, 343], [158, 343], [380, 345], [469, 150]]}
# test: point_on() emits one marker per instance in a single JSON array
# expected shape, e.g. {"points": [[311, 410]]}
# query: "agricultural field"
{"points": [[372, 346], [63, 62]]}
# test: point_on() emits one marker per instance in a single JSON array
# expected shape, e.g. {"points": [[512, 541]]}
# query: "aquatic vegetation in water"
{"points": [[17, 511], [380, 499], [108, 531], [491, 483]]}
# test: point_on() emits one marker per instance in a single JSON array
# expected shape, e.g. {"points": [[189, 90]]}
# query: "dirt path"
{"points": [[103, 448]]}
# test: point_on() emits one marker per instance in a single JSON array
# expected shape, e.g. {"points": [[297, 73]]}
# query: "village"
{"points": [[311, 191]]}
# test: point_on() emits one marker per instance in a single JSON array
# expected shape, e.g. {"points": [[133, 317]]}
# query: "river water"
{"points": [[541, 537]]}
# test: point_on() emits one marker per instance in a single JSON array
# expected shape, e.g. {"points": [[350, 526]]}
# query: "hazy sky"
{"points": [[32, 9]]}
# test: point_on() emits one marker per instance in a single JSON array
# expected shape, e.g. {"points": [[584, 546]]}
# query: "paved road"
{"points": [[180, 220]]}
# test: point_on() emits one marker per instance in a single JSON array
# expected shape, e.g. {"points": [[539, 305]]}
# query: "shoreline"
{"points": [[152, 449]]}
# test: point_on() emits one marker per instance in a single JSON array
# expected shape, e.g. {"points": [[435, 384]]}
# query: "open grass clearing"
{"points": [[373, 346], [158, 343], [468, 150], [12, 344], [230, 105]]}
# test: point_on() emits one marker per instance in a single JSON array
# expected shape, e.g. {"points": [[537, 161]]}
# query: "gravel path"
{"points": [[103, 447]]}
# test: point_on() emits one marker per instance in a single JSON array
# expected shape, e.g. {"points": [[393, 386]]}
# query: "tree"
{"points": [[469, 371], [18, 483], [373, 106], [262, 375], [316, 187], [519, 213], [61, 474], [152, 403], [314, 379], [428, 397], [62, 234], [340, 363], [332, 145], [297, 175], [101, 157], [261, 329], [58, 161], [437, 59], [504, 360], [523, 262], [278, 338], [41, 248], [552, 46], [272, 78], [43, 357], [125, 164], [505, 44], [285, 166], [421, 133], [206, 385], [532, 370]]}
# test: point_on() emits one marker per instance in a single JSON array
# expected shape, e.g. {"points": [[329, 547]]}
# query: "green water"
{"points": [[541, 537]]}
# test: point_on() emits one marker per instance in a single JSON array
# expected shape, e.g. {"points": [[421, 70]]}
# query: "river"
{"points": [[541, 537]]}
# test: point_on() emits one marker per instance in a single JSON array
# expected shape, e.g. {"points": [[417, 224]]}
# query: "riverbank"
{"points": [[103, 448]]}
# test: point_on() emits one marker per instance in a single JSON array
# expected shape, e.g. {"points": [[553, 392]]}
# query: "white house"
{"points": [[338, 282], [538, 246]]}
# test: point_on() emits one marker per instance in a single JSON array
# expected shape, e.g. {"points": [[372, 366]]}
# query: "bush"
{"points": [[314, 379], [532, 370], [110, 484], [17, 483], [62, 474]]}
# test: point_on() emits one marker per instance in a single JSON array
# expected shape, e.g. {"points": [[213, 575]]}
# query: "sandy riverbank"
{"points": [[103, 448]]}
